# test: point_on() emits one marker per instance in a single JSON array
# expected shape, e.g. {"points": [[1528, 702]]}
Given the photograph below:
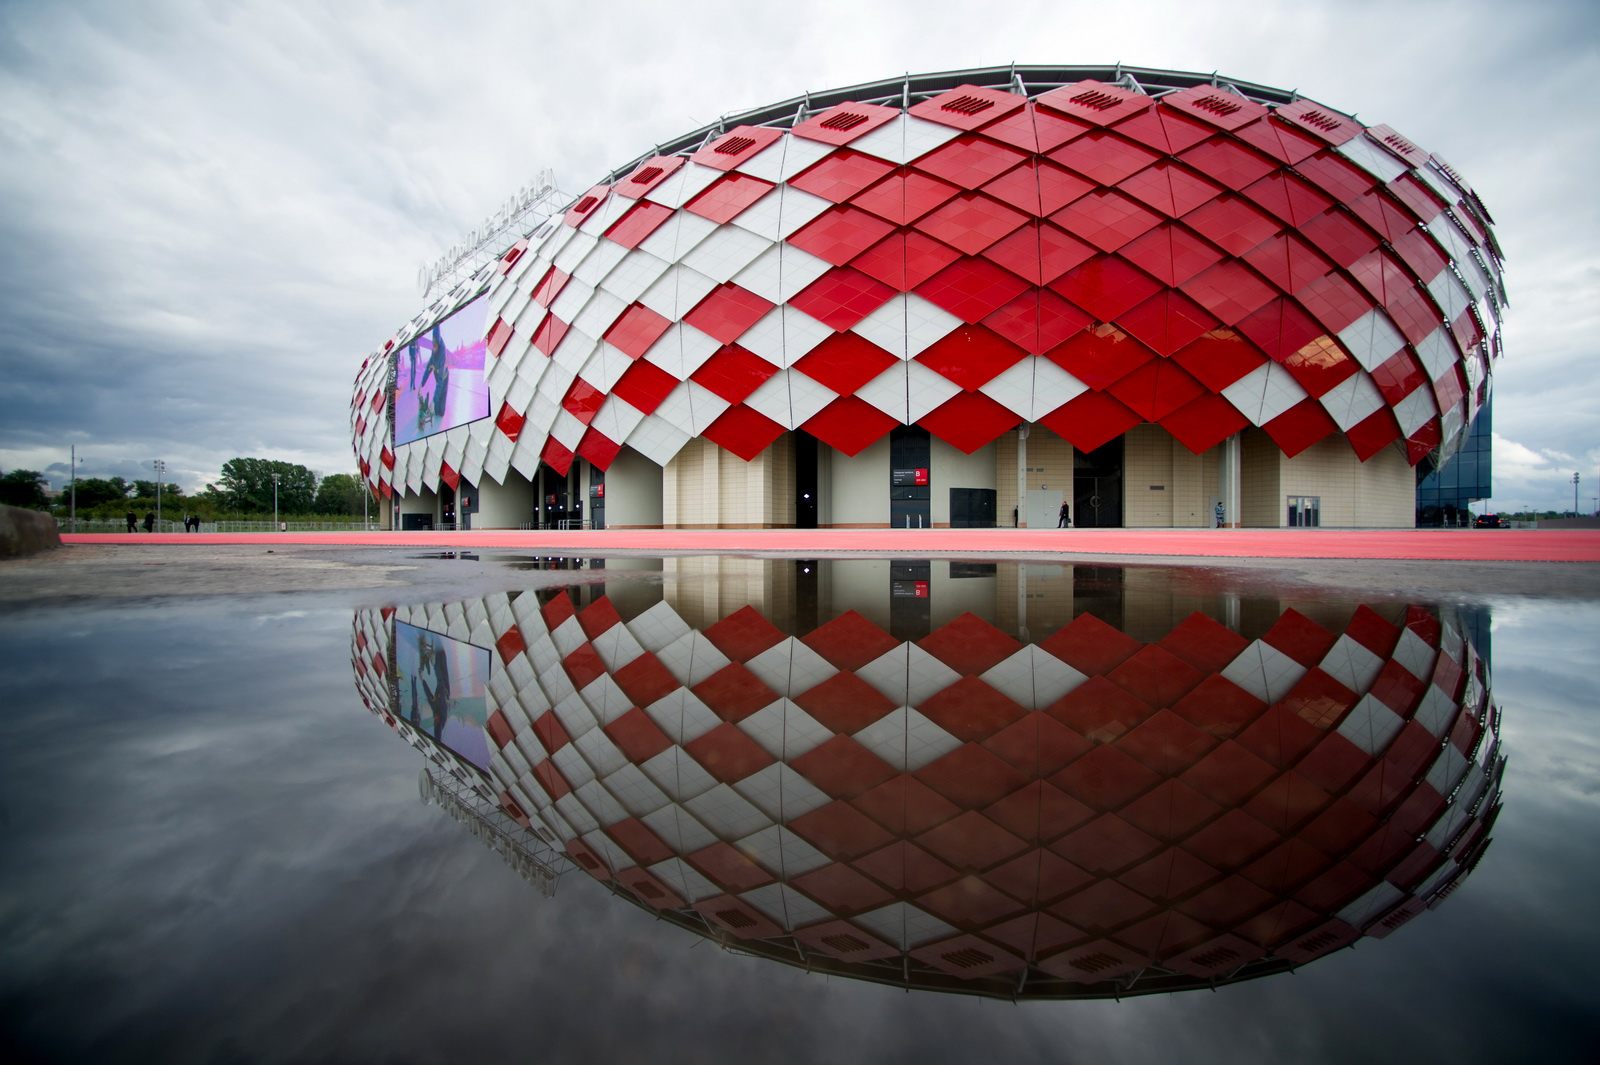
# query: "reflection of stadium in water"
{"points": [[1018, 781]]}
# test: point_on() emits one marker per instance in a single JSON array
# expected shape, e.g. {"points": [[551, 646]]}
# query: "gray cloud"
{"points": [[214, 211]]}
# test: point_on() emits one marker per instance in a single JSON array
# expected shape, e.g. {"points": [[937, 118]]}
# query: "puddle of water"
{"points": [[1017, 782]]}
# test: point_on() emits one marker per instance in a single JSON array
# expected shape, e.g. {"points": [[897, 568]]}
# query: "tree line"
{"points": [[244, 490]]}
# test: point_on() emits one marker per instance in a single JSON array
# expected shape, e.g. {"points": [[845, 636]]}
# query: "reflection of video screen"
{"points": [[439, 377], [441, 684]]}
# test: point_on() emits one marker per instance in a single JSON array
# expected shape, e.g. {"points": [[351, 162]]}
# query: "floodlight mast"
{"points": [[516, 218]]}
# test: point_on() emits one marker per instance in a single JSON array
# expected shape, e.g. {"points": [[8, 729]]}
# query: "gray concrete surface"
{"points": [[89, 572]]}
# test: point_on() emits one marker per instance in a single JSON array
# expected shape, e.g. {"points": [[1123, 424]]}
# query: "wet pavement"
{"points": [[216, 850]]}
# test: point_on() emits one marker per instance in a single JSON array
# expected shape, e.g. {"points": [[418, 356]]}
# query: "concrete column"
{"points": [[1230, 482], [1022, 477], [1022, 597]]}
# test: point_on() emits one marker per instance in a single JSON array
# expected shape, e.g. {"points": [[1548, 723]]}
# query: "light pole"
{"points": [[161, 471], [1574, 493], [73, 519], [274, 502]]}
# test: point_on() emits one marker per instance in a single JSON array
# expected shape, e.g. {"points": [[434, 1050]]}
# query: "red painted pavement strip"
{"points": [[1463, 545]]}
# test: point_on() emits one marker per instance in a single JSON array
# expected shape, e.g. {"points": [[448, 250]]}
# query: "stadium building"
{"points": [[965, 299]]}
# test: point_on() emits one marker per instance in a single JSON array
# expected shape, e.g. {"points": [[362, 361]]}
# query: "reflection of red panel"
{"points": [[1170, 811], [645, 680], [734, 693], [728, 754], [744, 634], [641, 844], [841, 889], [845, 941], [849, 641], [1099, 710], [971, 777], [637, 736], [1104, 846], [844, 703], [841, 767], [1105, 779], [1038, 811], [1037, 744], [839, 830], [970, 902], [510, 645], [971, 841], [1089, 645]]}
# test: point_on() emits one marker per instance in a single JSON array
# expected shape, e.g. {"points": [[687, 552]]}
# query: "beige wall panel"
{"points": [[1147, 478], [504, 506], [952, 468], [1380, 492], [860, 486], [1260, 502], [633, 492]]}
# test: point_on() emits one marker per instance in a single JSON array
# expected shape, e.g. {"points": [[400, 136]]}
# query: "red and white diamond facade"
{"points": [[1087, 256], [1086, 814]]}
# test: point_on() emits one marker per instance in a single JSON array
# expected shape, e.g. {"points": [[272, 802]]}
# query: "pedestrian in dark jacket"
{"points": [[149, 521]]}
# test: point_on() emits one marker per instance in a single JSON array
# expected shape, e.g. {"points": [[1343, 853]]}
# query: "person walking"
{"points": [[149, 521], [133, 521], [1064, 516], [1219, 512]]}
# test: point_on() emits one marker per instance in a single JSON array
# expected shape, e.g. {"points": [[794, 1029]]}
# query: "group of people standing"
{"points": [[191, 522]]}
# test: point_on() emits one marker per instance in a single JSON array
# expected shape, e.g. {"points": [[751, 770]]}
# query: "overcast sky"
{"points": [[214, 211]]}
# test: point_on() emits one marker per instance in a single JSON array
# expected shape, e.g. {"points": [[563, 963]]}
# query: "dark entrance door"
{"points": [[447, 506], [972, 508], [910, 494], [805, 480], [597, 497], [1097, 487]]}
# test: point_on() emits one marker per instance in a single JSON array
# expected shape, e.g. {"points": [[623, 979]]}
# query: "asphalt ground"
{"points": [[447, 565]]}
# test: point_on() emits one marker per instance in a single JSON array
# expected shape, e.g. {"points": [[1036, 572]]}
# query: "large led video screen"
{"points": [[441, 686], [439, 377]]}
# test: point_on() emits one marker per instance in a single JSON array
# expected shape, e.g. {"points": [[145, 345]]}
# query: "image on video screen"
{"points": [[440, 688], [439, 377]]}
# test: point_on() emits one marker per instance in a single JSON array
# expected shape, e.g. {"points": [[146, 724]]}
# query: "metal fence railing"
{"points": [[166, 525]]}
